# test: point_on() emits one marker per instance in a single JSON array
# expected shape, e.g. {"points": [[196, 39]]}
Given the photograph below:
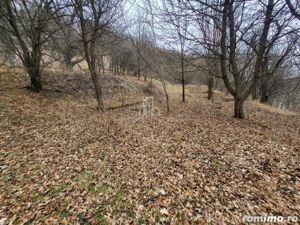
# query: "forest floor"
{"points": [[61, 162]]}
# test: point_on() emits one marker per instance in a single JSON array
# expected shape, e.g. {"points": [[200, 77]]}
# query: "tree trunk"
{"points": [[90, 54], [102, 64], [35, 79], [98, 91], [167, 100], [183, 87], [264, 90], [95, 76], [139, 67], [238, 108], [33, 70], [254, 94], [68, 63], [182, 77], [210, 91], [165, 92], [264, 97]]}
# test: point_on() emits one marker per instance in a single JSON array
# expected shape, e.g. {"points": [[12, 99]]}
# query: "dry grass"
{"points": [[273, 109]]}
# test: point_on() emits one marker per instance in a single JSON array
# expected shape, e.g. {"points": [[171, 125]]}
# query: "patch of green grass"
{"points": [[141, 221], [100, 218], [157, 216], [99, 215], [104, 205], [64, 214], [36, 198], [17, 219], [29, 222], [102, 188], [86, 179], [6, 178], [220, 165], [53, 193], [118, 197], [180, 218], [117, 203], [58, 190]]}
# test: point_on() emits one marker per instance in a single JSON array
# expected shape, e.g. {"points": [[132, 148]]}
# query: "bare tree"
{"points": [[211, 44], [24, 25], [149, 52], [239, 91], [95, 17], [176, 35], [65, 43]]}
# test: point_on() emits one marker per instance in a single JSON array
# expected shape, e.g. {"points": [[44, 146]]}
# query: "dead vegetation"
{"points": [[63, 163]]}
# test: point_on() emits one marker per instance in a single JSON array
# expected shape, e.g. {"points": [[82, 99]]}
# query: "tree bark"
{"points": [[264, 91], [94, 73], [182, 78], [210, 86], [254, 94], [238, 108], [90, 54], [98, 90], [32, 65], [35, 79], [167, 99], [138, 66], [68, 63]]}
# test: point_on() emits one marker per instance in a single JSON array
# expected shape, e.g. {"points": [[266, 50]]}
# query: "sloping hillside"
{"points": [[61, 162]]}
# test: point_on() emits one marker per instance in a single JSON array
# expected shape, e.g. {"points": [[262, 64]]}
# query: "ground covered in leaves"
{"points": [[61, 162]]}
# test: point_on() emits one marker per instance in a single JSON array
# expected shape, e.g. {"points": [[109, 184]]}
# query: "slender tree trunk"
{"points": [[90, 55], [102, 65], [95, 76], [68, 63], [210, 91], [165, 92], [139, 66], [238, 108], [98, 90], [182, 80], [167, 98]]}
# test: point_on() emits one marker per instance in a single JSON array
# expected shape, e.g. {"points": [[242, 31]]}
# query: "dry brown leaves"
{"points": [[63, 163]]}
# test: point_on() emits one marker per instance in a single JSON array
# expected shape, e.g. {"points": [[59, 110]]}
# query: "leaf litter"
{"points": [[63, 163]]}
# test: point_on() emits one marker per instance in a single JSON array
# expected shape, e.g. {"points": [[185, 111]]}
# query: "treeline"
{"points": [[250, 48]]}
